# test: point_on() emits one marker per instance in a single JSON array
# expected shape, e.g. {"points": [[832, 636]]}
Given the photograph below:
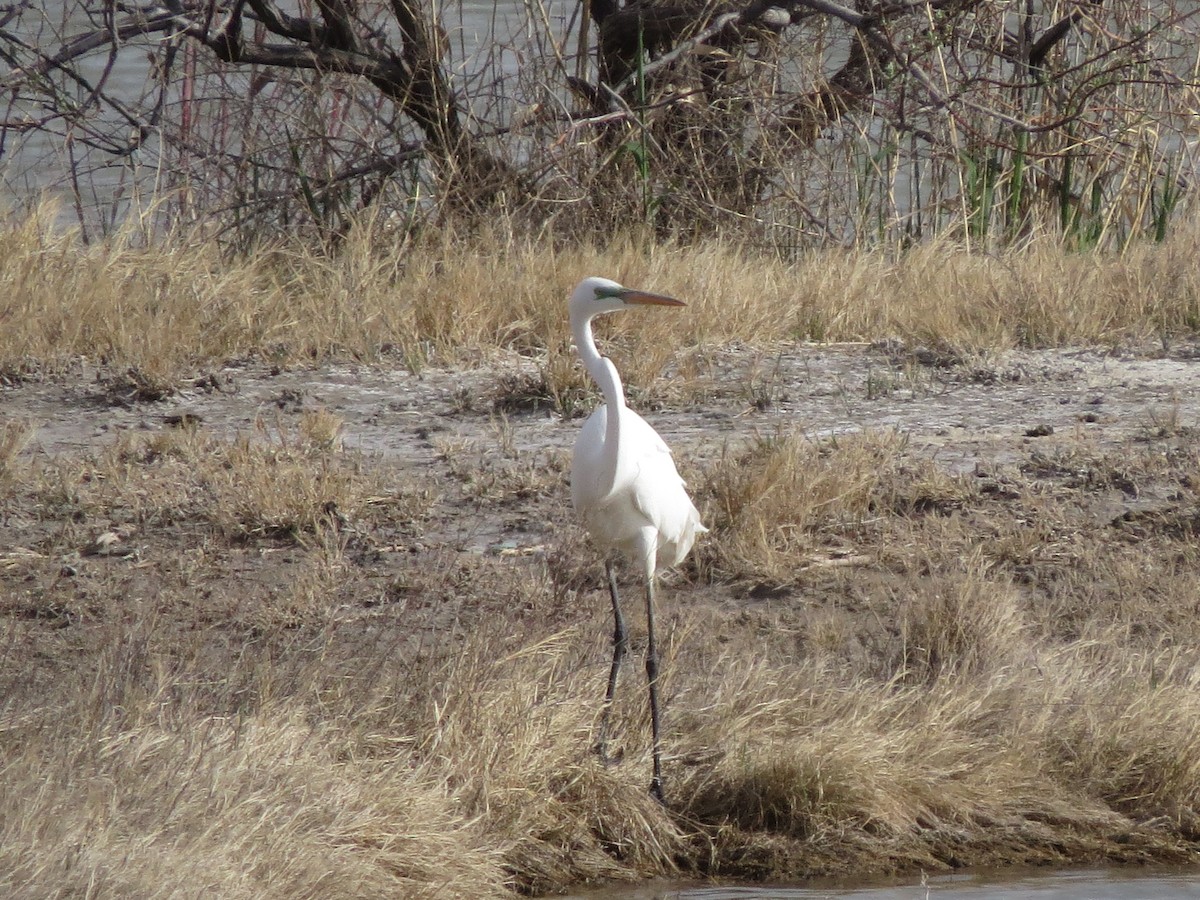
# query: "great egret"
{"points": [[625, 487]]}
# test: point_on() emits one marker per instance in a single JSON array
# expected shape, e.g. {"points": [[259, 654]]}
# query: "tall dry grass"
{"points": [[134, 786], [468, 772], [873, 667], [171, 309], [1027, 751]]}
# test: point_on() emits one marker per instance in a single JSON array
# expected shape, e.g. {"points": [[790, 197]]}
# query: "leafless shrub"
{"points": [[783, 123]]}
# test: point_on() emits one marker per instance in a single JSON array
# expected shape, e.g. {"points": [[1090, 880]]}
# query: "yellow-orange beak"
{"points": [[644, 298]]}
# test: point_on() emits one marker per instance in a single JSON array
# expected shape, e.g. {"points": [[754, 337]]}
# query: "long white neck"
{"points": [[604, 373]]}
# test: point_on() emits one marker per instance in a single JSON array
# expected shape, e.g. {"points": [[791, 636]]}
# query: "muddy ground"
{"points": [[963, 411], [488, 454], [966, 415]]}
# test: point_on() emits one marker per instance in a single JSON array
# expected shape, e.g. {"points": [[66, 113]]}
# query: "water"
{"points": [[508, 62], [489, 42], [1074, 884]]}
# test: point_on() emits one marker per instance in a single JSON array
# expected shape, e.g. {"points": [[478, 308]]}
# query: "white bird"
{"points": [[625, 487]]}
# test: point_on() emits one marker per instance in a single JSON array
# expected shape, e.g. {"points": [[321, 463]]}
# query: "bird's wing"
{"points": [[659, 494]]}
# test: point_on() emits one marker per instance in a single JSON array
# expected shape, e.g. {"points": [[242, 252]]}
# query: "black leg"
{"points": [[656, 783], [620, 646]]}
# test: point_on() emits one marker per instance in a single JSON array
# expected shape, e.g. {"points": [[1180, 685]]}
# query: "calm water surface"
{"points": [[487, 39], [1076, 884]]}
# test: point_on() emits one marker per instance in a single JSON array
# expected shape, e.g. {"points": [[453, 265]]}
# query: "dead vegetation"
{"points": [[150, 319], [873, 666], [267, 665], [788, 123]]}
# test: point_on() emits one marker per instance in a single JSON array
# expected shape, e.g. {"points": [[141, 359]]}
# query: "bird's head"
{"points": [[594, 296]]}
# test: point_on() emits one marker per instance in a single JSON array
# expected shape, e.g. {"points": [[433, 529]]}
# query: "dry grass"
{"points": [[283, 728], [263, 665], [273, 482], [14, 437], [1028, 756], [156, 314], [775, 501], [134, 792], [496, 473]]}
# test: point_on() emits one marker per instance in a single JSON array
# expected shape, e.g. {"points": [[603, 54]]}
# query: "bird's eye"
{"points": [[607, 293]]}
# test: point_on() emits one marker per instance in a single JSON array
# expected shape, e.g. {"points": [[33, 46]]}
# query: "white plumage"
{"points": [[625, 487], [647, 491]]}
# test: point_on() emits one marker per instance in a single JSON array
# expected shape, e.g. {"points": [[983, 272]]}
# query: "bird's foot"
{"points": [[656, 790]]}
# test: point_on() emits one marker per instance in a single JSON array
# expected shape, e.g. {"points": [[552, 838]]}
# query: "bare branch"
{"points": [[338, 25], [279, 23], [80, 46], [842, 13]]}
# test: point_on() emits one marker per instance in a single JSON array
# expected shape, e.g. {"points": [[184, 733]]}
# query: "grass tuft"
{"points": [[15, 436], [969, 627], [775, 503], [157, 314]]}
